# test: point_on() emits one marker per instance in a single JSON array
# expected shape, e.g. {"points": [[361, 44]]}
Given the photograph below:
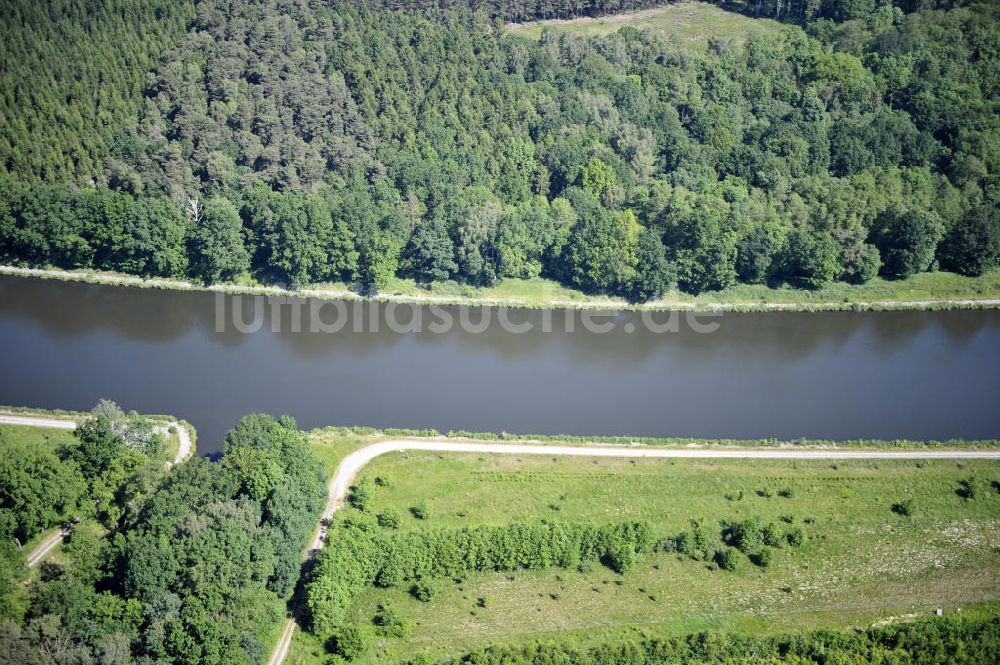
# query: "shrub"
{"points": [[350, 642], [786, 493], [727, 558], [622, 557], [393, 570], [746, 536], [699, 543], [796, 537], [904, 508], [362, 494], [571, 558], [389, 623], [668, 544], [771, 535], [764, 492], [388, 519], [763, 557], [684, 543], [359, 555], [967, 489], [931, 641], [420, 659], [420, 511], [423, 591]]}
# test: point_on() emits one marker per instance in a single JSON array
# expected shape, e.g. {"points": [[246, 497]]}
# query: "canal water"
{"points": [[211, 359]]}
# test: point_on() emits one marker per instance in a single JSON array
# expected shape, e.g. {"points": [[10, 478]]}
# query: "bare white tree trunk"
{"points": [[194, 210]]}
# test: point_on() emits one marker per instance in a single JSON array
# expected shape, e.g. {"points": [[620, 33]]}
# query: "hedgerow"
{"points": [[361, 555]]}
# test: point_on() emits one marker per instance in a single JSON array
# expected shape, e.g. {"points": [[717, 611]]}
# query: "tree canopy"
{"points": [[179, 568], [297, 144]]}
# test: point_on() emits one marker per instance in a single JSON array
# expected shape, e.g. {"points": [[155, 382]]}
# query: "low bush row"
{"points": [[928, 642], [360, 554]]}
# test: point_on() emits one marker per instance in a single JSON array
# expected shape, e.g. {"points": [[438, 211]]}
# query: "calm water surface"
{"points": [[919, 375]]}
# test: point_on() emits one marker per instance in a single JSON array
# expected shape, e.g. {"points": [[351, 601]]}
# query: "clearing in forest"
{"points": [[693, 23]]}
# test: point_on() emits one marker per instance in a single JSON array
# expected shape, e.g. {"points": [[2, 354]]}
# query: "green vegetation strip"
{"points": [[769, 546], [374, 433]]}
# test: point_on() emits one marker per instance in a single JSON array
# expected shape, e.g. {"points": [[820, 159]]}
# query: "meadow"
{"points": [[36, 437], [920, 291], [863, 560], [691, 23]]}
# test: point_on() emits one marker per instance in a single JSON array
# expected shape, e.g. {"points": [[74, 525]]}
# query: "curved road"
{"points": [[354, 462], [184, 450]]}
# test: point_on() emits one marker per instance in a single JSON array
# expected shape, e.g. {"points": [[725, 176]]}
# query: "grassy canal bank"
{"points": [[923, 291]]}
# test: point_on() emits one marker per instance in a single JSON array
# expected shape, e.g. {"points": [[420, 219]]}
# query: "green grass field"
{"points": [[332, 445], [921, 291], [540, 292], [43, 437], [691, 23], [862, 562]]}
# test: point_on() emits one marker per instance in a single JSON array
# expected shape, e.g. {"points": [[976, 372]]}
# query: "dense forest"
{"points": [[299, 142], [193, 566], [72, 80]]}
